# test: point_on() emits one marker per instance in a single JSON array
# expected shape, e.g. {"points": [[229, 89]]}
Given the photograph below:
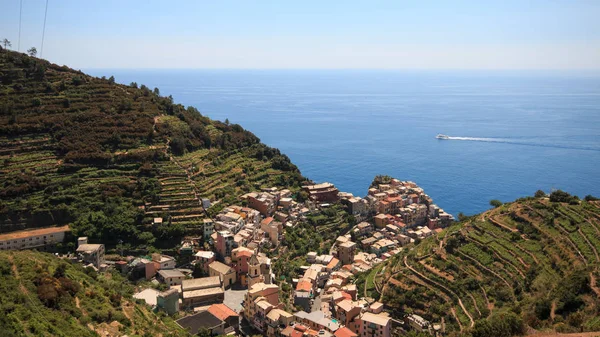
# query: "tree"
{"points": [[6, 43], [198, 272], [540, 194], [32, 51], [590, 197], [496, 203], [111, 80], [156, 92]]}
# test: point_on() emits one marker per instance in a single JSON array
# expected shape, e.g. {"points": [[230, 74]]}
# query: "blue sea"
{"points": [[512, 133]]}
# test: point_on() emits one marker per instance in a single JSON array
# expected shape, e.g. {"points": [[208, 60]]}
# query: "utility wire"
{"points": [[20, 18], [44, 30]]}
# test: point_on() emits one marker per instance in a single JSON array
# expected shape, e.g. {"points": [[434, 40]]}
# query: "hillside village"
{"points": [[223, 280]]}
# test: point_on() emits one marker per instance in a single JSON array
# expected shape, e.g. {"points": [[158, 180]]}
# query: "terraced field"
{"points": [[536, 258], [108, 158]]}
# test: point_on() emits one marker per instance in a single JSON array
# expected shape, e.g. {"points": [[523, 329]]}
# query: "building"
{"points": [[168, 301], [202, 291], [205, 320], [208, 229], [346, 312], [325, 192], [417, 322], [225, 314], [225, 244], [344, 332], [268, 292], [374, 325], [90, 253], [225, 272], [170, 277], [204, 258], [317, 320], [346, 252], [263, 202], [41, 239], [163, 261], [277, 319]]}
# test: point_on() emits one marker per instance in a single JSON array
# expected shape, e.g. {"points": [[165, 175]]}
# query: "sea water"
{"points": [[511, 133]]}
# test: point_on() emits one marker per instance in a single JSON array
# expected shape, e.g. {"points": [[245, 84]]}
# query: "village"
{"points": [[222, 282]]}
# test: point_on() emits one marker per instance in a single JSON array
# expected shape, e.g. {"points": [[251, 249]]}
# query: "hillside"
{"points": [[41, 295], [108, 158], [533, 261]]}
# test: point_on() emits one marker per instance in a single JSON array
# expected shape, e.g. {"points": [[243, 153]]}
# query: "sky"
{"points": [[458, 34]]}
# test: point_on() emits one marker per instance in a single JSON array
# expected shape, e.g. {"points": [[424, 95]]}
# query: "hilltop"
{"points": [[109, 158], [533, 262], [45, 296]]}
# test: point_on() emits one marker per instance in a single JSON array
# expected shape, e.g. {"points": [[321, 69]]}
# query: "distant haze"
{"points": [[310, 34]]}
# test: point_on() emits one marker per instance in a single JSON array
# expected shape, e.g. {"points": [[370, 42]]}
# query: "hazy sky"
{"points": [[482, 34]]}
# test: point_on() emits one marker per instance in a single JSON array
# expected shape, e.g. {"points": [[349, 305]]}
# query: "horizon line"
{"points": [[361, 69]]}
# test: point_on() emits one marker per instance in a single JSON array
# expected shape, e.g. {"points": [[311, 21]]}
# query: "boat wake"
{"points": [[526, 142]]}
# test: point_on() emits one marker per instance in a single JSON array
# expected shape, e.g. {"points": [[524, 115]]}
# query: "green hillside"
{"points": [[107, 158], [41, 295], [533, 262]]}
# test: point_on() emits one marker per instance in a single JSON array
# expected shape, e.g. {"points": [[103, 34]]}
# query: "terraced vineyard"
{"points": [[534, 258], [108, 158]]}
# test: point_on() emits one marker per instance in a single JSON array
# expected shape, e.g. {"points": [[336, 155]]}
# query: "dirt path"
{"points": [[475, 305], [460, 303], [489, 271], [15, 271], [593, 284], [456, 318], [490, 306], [589, 244]]}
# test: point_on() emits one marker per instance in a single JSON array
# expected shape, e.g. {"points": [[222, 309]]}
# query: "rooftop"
{"points": [[33, 232], [202, 292], [221, 268], [378, 319], [88, 248], [221, 311], [164, 273], [193, 324], [201, 283], [205, 254]]}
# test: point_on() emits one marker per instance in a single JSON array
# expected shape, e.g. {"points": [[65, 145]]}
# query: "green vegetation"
{"points": [[45, 296], [534, 262], [108, 158]]}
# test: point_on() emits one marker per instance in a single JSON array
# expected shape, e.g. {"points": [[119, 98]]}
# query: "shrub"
{"points": [[77, 80], [496, 203], [36, 102]]}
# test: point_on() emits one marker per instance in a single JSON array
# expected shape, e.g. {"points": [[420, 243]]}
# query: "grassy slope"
{"points": [[533, 257], [107, 158], [36, 303]]}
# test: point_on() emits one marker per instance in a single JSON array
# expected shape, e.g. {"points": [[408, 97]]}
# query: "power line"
{"points": [[20, 18], [44, 30]]}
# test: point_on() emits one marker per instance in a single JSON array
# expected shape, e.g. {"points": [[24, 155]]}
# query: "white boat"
{"points": [[441, 136]]}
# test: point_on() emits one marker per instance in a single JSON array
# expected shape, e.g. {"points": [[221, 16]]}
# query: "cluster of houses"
{"points": [[401, 203], [390, 216]]}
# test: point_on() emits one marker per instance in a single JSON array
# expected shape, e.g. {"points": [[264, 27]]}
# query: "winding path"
{"points": [[440, 286]]}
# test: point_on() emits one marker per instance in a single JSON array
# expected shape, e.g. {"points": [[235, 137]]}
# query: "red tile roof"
{"points": [[267, 221], [245, 253], [304, 285], [334, 262], [344, 332], [221, 311]]}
